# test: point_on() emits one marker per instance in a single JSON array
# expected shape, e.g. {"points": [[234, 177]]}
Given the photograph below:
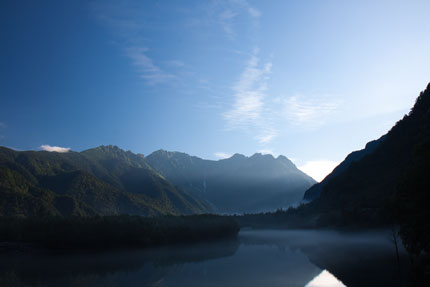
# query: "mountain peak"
{"points": [[260, 155], [237, 156], [160, 152], [108, 147], [285, 159]]}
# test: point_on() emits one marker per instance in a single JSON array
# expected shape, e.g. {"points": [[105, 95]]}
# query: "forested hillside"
{"points": [[100, 181]]}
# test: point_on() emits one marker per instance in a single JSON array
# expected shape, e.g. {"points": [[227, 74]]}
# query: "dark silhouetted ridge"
{"points": [[364, 188]]}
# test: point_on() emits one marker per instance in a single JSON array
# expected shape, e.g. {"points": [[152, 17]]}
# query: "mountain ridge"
{"points": [[257, 180], [314, 191], [104, 180]]}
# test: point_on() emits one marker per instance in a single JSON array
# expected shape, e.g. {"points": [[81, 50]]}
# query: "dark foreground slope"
{"points": [[365, 192], [315, 190], [100, 181], [237, 184]]}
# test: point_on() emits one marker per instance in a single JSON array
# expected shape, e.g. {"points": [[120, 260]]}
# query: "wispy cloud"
{"points": [[248, 106], [252, 11], [267, 134], [311, 112], [318, 169], [226, 20], [233, 9], [249, 94], [145, 65], [54, 148], [126, 19], [175, 63], [222, 155]]}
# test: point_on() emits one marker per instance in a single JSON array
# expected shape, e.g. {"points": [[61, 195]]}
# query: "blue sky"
{"points": [[312, 80]]}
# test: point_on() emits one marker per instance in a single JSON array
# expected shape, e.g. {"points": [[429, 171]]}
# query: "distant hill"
{"points": [[365, 191], [237, 184], [105, 181]]}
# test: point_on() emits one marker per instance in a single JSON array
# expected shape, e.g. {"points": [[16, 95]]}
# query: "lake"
{"points": [[256, 258]]}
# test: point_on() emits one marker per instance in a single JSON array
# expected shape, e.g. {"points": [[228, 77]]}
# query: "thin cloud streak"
{"points": [[311, 112], [146, 68], [54, 148], [267, 135]]}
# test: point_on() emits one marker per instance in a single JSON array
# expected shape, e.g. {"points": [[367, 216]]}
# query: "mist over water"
{"points": [[257, 258]]}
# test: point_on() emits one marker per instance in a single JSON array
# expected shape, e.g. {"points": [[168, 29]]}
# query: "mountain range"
{"points": [[108, 180], [100, 181], [237, 184]]}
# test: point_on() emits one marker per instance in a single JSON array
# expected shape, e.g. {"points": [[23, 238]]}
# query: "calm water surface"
{"points": [[257, 258]]}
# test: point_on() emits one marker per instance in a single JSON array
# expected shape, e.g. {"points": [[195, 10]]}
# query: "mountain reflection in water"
{"points": [[257, 258]]}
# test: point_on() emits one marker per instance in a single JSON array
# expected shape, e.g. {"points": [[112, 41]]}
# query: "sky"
{"points": [[311, 80]]}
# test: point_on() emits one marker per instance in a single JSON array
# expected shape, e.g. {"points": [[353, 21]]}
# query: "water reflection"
{"points": [[257, 258], [136, 267], [357, 259], [325, 279]]}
